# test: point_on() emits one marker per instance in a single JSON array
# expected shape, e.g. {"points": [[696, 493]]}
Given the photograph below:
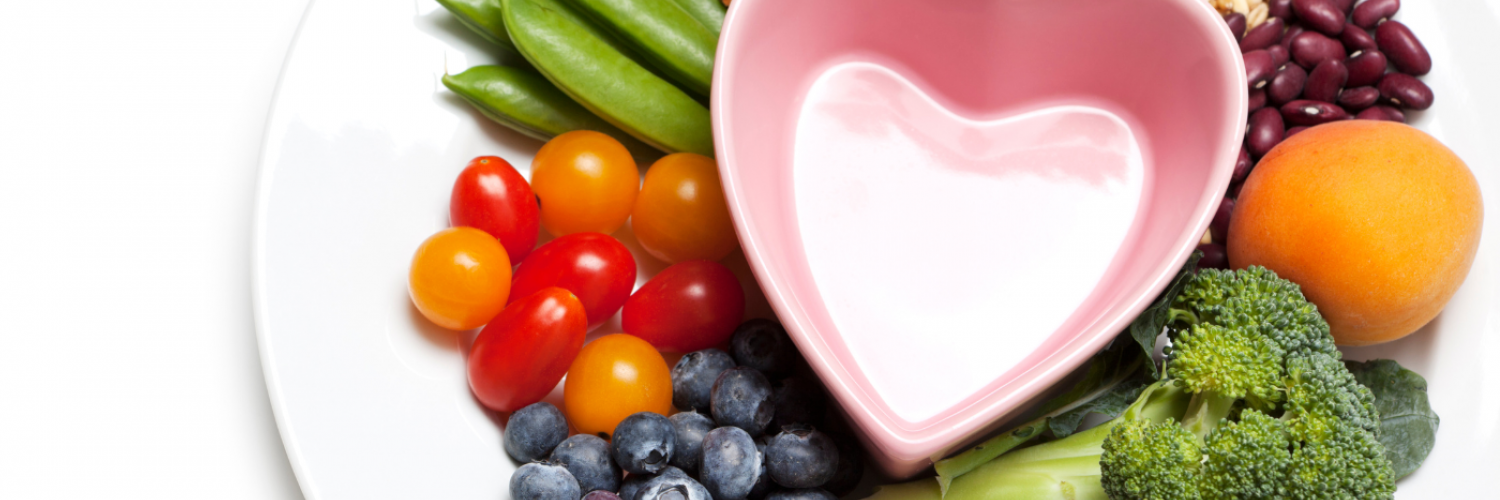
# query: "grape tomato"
{"points": [[688, 306], [492, 196], [614, 377], [680, 213], [459, 278], [594, 267], [521, 355], [586, 181]]}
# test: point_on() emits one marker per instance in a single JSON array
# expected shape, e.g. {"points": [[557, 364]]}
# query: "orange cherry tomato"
{"points": [[586, 181], [521, 355], [614, 377], [681, 214], [460, 278]]}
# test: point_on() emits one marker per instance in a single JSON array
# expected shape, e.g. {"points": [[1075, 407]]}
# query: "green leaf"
{"points": [[1154, 319], [1113, 381], [1408, 426]]}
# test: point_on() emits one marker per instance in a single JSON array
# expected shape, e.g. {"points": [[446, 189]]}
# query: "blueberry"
{"points": [[742, 398], [762, 344], [802, 494], [731, 463], [693, 378], [798, 401], [672, 484], [801, 457], [601, 495], [543, 481], [643, 443], [632, 485], [587, 457], [533, 431], [850, 470], [690, 427], [763, 481]]}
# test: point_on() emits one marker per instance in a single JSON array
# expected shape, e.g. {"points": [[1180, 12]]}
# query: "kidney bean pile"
{"points": [[1317, 61]]}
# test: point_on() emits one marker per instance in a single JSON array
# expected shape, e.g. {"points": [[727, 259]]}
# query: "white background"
{"points": [[129, 139]]}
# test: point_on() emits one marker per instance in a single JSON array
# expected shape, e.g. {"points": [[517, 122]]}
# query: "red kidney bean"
{"points": [[1214, 256], [1372, 12], [1279, 55], [1257, 100], [1280, 8], [1305, 112], [1356, 39], [1321, 15], [1236, 22], [1312, 48], [1265, 35], [1258, 68], [1291, 34], [1405, 91], [1382, 112], [1287, 85], [1219, 228], [1265, 131], [1242, 165], [1325, 81], [1365, 68], [1356, 99], [1401, 46], [1345, 6], [1293, 131]]}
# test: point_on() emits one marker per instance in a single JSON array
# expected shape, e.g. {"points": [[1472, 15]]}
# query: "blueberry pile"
{"points": [[748, 430]]}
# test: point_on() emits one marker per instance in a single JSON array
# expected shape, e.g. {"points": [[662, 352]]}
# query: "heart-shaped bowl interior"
{"points": [[953, 203]]}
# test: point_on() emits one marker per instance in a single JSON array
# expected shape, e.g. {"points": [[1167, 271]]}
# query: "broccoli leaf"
{"points": [[1408, 426], [1150, 323], [1113, 381]]}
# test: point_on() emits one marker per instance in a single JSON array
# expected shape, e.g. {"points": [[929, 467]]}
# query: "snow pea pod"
{"points": [[607, 82], [666, 35], [483, 17], [709, 13], [523, 100]]}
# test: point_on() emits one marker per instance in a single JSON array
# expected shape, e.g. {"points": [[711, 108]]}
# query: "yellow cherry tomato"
{"points": [[614, 377], [460, 278], [681, 213], [586, 181]]}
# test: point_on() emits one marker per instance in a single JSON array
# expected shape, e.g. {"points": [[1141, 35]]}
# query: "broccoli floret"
{"points": [[1321, 394], [1220, 366], [1349, 464], [1145, 460], [1255, 298], [1246, 459]]}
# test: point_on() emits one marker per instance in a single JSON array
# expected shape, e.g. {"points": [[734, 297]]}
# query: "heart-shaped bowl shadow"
{"points": [[953, 203]]}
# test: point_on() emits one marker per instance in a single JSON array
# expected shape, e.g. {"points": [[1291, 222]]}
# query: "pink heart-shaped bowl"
{"points": [[953, 203]]}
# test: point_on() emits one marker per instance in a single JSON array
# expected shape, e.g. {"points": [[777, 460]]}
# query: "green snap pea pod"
{"points": [[483, 17], [607, 82], [709, 13], [523, 100], [662, 32], [593, 29]]}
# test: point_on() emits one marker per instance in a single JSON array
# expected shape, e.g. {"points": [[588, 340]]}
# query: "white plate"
{"points": [[362, 147]]}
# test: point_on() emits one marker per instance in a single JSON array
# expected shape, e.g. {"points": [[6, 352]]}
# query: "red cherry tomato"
{"points": [[595, 267], [689, 306], [521, 355], [492, 196]]}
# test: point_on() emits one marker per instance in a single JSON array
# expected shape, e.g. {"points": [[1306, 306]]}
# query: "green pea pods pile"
{"points": [[482, 17], [709, 13], [671, 39], [523, 100], [605, 81], [634, 69]]}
